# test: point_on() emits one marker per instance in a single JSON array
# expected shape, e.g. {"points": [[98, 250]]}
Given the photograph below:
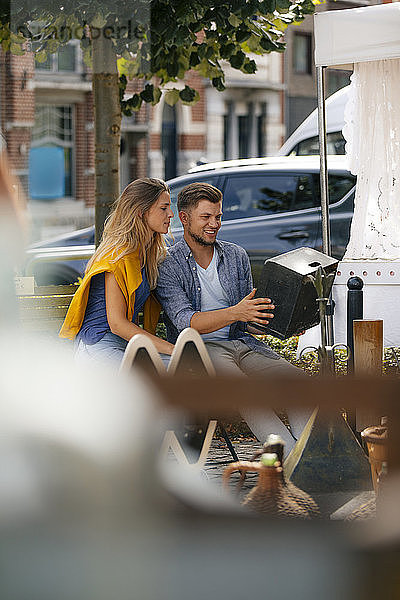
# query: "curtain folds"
{"points": [[372, 133]]}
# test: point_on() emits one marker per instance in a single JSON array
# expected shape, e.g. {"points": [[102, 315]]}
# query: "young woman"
{"points": [[121, 274]]}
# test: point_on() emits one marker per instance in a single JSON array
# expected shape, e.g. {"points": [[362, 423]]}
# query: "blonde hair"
{"points": [[126, 229]]}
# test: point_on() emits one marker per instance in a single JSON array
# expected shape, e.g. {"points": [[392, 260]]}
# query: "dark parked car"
{"points": [[270, 206]]}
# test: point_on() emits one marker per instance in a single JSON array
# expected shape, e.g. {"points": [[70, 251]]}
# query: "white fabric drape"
{"points": [[372, 132]]}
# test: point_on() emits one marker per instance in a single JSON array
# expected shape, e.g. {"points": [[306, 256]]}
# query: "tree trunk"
{"points": [[107, 123]]}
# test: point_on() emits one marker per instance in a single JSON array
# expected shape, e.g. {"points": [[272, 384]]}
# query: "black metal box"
{"points": [[285, 280]]}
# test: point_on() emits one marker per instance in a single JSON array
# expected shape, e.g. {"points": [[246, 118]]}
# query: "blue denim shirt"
{"points": [[179, 291]]}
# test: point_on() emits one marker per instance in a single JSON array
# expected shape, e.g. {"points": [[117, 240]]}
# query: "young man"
{"points": [[207, 285]]}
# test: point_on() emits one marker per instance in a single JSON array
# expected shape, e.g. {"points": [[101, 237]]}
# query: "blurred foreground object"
{"points": [[83, 508], [12, 237], [275, 445], [70, 437], [377, 443], [77, 452], [271, 495]]}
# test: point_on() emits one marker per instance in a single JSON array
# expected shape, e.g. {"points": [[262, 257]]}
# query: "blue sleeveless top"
{"points": [[95, 324]]}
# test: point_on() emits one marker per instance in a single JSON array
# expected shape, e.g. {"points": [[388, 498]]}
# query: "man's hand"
{"points": [[253, 309], [248, 309]]}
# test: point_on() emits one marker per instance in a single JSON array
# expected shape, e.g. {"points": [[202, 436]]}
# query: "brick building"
{"points": [[50, 106], [46, 112], [299, 66]]}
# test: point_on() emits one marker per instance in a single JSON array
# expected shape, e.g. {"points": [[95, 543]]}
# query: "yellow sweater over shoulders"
{"points": [[128, 275]]}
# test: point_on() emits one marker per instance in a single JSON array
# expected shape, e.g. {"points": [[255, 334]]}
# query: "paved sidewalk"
{"points": [[219, 457]]}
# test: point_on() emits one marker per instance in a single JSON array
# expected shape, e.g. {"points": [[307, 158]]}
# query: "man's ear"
{"points": [[183, 217]]}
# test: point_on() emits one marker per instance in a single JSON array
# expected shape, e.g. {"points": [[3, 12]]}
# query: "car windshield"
{"points": [[335, 144]]}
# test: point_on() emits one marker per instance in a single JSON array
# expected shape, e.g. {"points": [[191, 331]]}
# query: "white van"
{"points": [[304, 140]]}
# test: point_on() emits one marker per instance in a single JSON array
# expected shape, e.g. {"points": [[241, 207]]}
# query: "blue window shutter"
{"points": [[46, 172]]}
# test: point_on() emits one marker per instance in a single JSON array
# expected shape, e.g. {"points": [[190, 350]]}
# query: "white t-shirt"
{"points": [[213, 296]]}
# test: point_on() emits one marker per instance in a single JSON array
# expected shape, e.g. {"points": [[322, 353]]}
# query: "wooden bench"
{"points": [[44, 311]]}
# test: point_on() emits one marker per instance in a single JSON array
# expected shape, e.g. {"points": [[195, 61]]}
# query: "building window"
{"points": [[302, 53], [244, 134], [54, 128], [65, 60], [261, 127], [226, 143], [244, 130]]}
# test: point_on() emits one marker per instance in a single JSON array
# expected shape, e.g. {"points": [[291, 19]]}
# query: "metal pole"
{"points": [[228, 442], [326, 241], [354, 311], [326, 238]]}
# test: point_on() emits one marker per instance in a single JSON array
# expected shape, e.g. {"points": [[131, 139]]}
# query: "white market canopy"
{"points": [[357, 35], [368, 38]]}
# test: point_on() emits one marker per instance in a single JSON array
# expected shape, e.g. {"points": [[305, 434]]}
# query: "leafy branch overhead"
{"points": [[158, 41]]}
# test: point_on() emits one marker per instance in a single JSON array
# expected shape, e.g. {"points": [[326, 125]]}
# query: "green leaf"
{"points": [[234, 20], [201, 50], [173, 68], [253, 43], [237, 59], [283, 4], [249, 67], [195, 98], [209, 52], [242, 35], [184, 34], [184, 66], [147, 95], [227, 50], [156, 96], [194, 59], [208, 70], [16, 49], [267, 6], [41, 56], [52, 46], [17, 39], [218, 84], [268, 44], [188, 94], [280, 25], [126, 55], [98, 21], [172, 97], [134, 103]]}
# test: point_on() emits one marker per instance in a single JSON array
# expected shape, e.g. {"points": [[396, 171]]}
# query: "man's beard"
{"points": [[200, 240]]}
